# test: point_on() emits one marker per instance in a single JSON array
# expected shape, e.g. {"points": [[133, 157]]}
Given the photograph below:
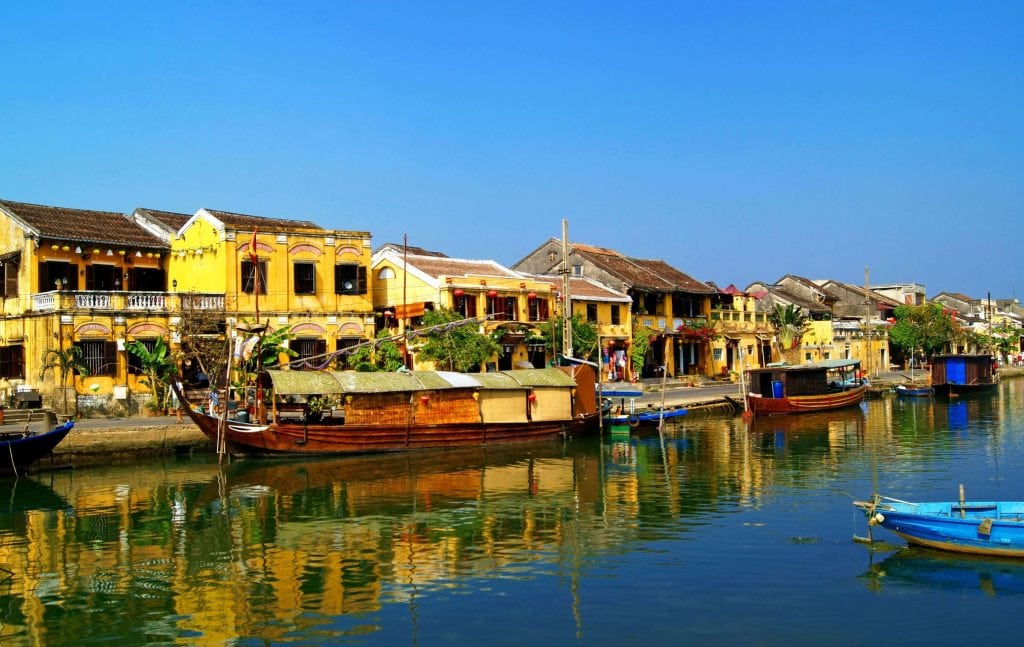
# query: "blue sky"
{"points": [[738, 141]]}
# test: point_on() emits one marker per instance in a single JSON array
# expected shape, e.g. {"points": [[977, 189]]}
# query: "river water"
{"points": [[712, 531]]}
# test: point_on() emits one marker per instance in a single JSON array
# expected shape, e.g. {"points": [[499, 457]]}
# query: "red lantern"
{"points": [[458, 292], [531, 295], [424, 399], [532, 397], [492, 293]]}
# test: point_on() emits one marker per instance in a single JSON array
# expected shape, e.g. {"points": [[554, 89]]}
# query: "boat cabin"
{"points": [[820, 378]]}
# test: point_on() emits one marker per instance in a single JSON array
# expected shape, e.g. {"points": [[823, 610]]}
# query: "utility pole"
{"points": [[867, 323], [566, 299]]}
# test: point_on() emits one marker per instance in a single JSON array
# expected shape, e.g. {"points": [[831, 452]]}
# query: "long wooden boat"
{"points": [[955, 375], [349, 412], [977, 527], [19, 450], [788, 389]]}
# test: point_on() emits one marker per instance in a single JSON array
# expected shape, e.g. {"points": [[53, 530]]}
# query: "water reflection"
{"points": [[390, 547], [917, 568]]}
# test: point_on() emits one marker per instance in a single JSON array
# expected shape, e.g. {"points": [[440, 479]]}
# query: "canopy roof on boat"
{"points": [[288, 382], [823, 365]]}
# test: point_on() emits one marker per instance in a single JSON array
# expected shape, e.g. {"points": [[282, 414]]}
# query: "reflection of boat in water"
{"points": [[397, 479], [931, 570], [21, 496], [975, 527], [822, 422]]}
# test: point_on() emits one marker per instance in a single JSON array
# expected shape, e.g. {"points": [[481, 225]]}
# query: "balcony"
{"points": [[72, 300]]}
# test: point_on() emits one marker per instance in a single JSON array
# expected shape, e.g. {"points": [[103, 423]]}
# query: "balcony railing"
{"points": [[125, 301]]}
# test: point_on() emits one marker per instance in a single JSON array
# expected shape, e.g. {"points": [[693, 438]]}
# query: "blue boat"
{"points": [[628, 413], [20, 449], [973, 527], [914, 391]]}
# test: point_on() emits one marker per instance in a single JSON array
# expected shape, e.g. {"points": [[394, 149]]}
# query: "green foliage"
{"points": [[928, 327], [159, 367], [65, 361], [642, 337], [454, 347], [699, 329], [1003, 339], [267, 354], [790, 322], [382, 356], [584, 337]]}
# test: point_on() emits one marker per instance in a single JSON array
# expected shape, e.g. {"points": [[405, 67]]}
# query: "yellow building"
{"points": [[311, 280], [510, 306], [100, 280], [743, 333]]}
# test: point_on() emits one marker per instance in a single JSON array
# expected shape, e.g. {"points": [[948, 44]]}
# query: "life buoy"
{"points": [[633, 420]]}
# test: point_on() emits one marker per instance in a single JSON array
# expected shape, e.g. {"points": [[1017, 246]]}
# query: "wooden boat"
{"points": [[626, 411], [403, 410], [19, 450], [822, 386], [955, 375], [905, 391], [976, 527]]}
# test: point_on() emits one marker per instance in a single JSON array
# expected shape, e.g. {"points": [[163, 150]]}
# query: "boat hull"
{"points": [[915, 392], [956, 390], [978, 528], [16, 454], [761, 406], [646, 418], [243, 439]]}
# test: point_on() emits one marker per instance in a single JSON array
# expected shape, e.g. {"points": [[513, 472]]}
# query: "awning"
{"points": [[410, 310]]}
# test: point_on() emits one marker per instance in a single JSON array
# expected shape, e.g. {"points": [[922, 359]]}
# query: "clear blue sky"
{"points": [[738, 141]]}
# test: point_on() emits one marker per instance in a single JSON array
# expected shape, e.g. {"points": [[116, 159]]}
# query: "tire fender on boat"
{"points": [[633, 420]]}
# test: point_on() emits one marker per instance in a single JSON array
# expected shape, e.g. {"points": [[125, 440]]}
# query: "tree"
{"points": [[383, 355], [642, 337], [159, 367], [452, 345], [790, 322], [928, 327], [202, 331], [584, 337], [65, 361]]}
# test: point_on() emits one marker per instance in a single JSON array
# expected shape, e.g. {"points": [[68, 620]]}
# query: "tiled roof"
{"points": [[170, 219], [438, 266], [582, 288], [400, 249], [244, 222], [61, 223], [641, 274]]}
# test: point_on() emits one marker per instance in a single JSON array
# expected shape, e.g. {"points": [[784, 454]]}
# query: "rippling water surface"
{"points": [[712, 531]]}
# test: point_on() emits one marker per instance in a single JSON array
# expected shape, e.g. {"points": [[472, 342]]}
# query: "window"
{"points": [[52, 271], [134, 361], [307, 348], [341, 344], [99, 356], [616, 317], [249, 276], [349, 279], [538, 310], [304, 275], [502, 308], [10, 276], [102, 277], [591, 313], [577, 270], [146, 279], [12, 362], [466, 306]]}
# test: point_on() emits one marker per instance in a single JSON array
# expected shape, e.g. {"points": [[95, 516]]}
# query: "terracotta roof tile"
{"points": [[170, 219], [62, 223], [642, 274], [438, 266], [241, 221]]}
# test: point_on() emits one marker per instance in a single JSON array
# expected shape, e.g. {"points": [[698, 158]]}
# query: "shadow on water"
{"points": [[930, 570]]}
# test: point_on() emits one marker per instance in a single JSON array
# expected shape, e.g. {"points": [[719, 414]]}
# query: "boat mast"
{"points": [[867, 324]]}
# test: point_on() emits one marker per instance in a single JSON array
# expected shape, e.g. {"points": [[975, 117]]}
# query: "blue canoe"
{"points": [[974, 527], [645, 417], [19, 450], [915, 391]]}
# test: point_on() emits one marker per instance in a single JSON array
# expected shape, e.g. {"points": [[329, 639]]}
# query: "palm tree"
{"points": [[789, 322], [65, 361], [159, 366]]}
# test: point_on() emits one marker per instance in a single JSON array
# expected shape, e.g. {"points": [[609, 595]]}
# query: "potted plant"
{"points": [[315, 406]]}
